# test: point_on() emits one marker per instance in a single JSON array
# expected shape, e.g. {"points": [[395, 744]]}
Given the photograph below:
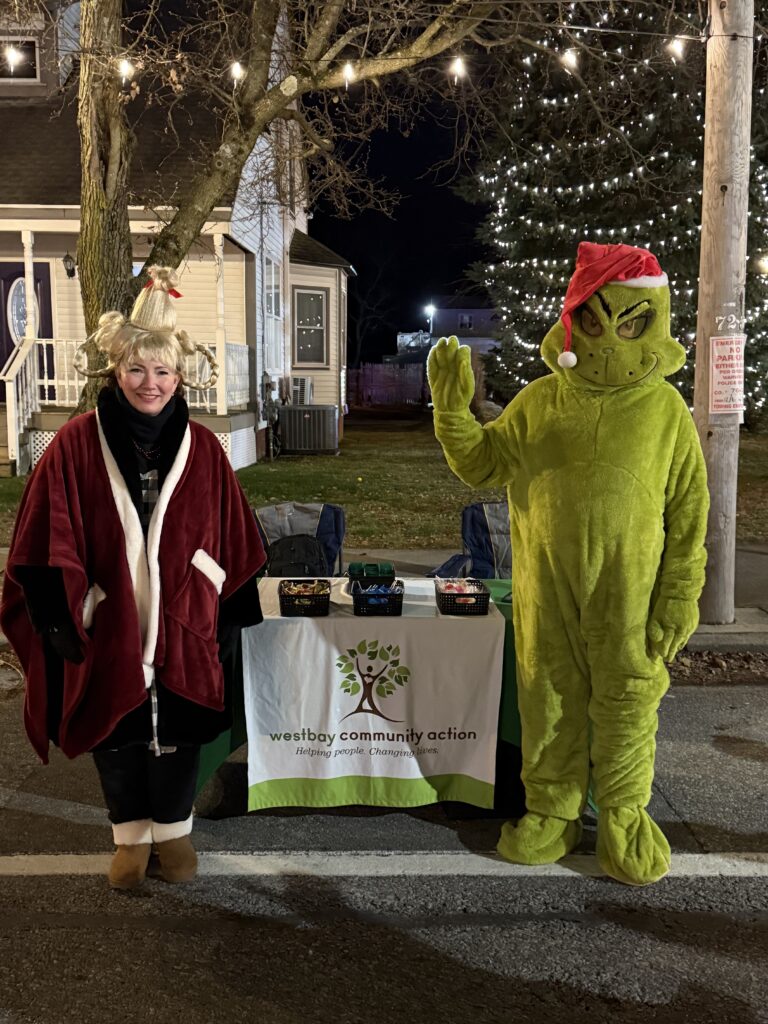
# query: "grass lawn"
{"points": [[391, 479], [752, 503], [397, 491]]}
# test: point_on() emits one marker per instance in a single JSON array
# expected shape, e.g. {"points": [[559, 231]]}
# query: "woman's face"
{"points": [[147, 384]]}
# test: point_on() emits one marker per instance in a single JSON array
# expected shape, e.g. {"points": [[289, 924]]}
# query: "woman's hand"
{"points": [[66, 643], [449, 371]]}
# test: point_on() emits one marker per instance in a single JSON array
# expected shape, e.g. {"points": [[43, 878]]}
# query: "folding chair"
{"points": [[487, 546], [323, 521]]}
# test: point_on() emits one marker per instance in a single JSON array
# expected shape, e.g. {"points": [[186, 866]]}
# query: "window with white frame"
{"points": [[273, 314], [19, 60], [310, 331], [465, 321]]}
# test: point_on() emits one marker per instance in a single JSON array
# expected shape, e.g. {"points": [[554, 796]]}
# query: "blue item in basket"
{"points": [[378, 598], [380, 593]]}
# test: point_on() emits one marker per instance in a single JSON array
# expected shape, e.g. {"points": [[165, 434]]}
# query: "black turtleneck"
{"points": [[122, 425], [144, 428]]}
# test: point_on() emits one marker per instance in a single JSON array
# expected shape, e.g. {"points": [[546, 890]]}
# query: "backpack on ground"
{"points": [[298, 555]]}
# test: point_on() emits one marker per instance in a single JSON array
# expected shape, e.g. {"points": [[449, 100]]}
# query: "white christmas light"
{"points": [[237, 71], [349, 74], [13, 57], [677, 48], [570, 59], [458, 69], [126, 69]]}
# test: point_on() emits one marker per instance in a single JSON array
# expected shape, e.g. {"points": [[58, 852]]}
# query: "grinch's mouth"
{"points": [[629, 383]]}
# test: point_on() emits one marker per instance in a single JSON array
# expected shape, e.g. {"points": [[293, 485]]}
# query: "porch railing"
{"points": [[41, 373], [21, 394]]}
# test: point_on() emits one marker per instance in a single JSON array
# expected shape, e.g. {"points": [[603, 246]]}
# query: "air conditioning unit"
{"points": [[309, 428], [301, 391]]}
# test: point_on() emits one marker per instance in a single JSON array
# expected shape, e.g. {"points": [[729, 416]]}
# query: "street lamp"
{"points": [[430, 311]]}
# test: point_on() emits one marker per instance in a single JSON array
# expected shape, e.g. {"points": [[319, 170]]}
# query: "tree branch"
{"points": [[292, 114], [323, 30]]}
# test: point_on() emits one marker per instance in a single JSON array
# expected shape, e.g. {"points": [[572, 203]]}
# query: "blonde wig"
{"points": [[149, 333]]}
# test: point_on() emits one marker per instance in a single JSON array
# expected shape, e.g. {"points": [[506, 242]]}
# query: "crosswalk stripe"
{"points": [[396, 864]]}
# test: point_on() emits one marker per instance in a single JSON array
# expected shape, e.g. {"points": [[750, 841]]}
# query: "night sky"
{"points": [[425, 247]]}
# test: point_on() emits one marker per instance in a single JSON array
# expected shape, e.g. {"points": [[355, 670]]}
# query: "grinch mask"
{"points": [[620, 337]]}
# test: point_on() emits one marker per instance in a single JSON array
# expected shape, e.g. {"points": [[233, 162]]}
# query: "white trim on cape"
{"points": [[144, 563]]}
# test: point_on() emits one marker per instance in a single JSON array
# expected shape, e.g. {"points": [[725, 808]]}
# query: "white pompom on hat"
{"points": [[598, 265]]}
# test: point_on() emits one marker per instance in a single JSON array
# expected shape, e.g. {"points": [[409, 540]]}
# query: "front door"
{"points": [[13, 308]]}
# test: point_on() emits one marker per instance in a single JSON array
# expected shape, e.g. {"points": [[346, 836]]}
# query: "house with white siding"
{"points": [[267, 299]]}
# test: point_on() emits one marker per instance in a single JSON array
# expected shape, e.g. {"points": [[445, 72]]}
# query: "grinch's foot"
{"points": [[538, 839], [630, 846]]}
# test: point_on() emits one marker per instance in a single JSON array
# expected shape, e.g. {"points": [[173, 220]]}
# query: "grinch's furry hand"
{"points": [[449, 370], [671, 624]]}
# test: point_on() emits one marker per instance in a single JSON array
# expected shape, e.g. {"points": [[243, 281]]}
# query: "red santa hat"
{"points": [[597, 265]]}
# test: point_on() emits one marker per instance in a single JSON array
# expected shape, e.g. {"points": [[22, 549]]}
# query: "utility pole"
{"points": [[722, 275]]}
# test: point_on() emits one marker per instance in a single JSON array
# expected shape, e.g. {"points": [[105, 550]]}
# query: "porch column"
{"points": [[27, 241], [221, 332]]}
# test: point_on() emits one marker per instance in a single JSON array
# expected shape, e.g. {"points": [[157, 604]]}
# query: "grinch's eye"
{"points": [[589, 322], [633, 328]]}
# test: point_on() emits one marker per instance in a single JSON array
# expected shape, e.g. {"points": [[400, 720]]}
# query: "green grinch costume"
{"points": [[608, 508]]}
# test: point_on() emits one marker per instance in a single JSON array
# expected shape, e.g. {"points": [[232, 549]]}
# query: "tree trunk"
{"points": [[104, 250]]}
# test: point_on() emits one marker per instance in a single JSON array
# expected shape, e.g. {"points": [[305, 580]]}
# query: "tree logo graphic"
{"points": [[374, 671]]}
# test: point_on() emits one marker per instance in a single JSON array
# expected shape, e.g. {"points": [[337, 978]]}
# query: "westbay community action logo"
{"points": [[374, 671]]}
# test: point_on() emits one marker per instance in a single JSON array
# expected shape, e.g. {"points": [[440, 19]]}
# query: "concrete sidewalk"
{"points": [[748, 633]]}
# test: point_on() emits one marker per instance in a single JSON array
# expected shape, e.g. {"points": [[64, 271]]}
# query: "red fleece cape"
{"points": [[76, 514]]}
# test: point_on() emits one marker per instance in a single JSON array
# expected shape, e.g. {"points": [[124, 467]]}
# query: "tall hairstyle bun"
{"points": [[154, 309], [150, 327]]}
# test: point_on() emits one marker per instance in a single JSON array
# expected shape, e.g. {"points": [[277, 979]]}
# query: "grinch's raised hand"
{"points": [[449, 370]]}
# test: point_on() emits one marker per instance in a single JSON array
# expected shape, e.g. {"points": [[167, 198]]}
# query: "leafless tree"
{"points": [[314, 78]]}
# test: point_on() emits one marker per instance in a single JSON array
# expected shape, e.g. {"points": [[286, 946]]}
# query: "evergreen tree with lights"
{"points": [[609, 150]]}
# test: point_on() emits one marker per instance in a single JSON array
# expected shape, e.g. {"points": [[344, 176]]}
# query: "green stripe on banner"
{"points": [[373, 792]]}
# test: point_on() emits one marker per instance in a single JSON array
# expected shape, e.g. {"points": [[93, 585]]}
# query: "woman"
{"points": [[131, 572]]}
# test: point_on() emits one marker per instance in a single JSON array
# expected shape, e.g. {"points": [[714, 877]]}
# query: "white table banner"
{"points": [[392, 711]]}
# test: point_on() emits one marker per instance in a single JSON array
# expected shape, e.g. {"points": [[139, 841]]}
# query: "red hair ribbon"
{"points": [[171, 291]]}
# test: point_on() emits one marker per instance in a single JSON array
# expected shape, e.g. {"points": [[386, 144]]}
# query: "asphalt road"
{"points": [[364, 916]]}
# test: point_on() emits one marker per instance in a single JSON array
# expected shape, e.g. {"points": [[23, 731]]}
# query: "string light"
{"points": [[13, 57], [458, 69], [126, 69], [238, 72], [570, 59], [349, 74], [542, 203]]}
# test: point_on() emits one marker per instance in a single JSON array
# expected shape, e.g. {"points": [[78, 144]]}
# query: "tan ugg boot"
{"points": [[178, 860], [129, 866]]}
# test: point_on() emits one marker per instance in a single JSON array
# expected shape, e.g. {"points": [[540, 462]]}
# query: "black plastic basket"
{"points": [[364, 603], [304, 604], [450, 602]]}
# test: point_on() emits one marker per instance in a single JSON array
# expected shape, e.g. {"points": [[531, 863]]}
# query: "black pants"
{"points": [[138, 785]]}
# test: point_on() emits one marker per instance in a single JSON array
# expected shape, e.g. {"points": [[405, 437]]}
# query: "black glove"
{"points": [[66, 643]]}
